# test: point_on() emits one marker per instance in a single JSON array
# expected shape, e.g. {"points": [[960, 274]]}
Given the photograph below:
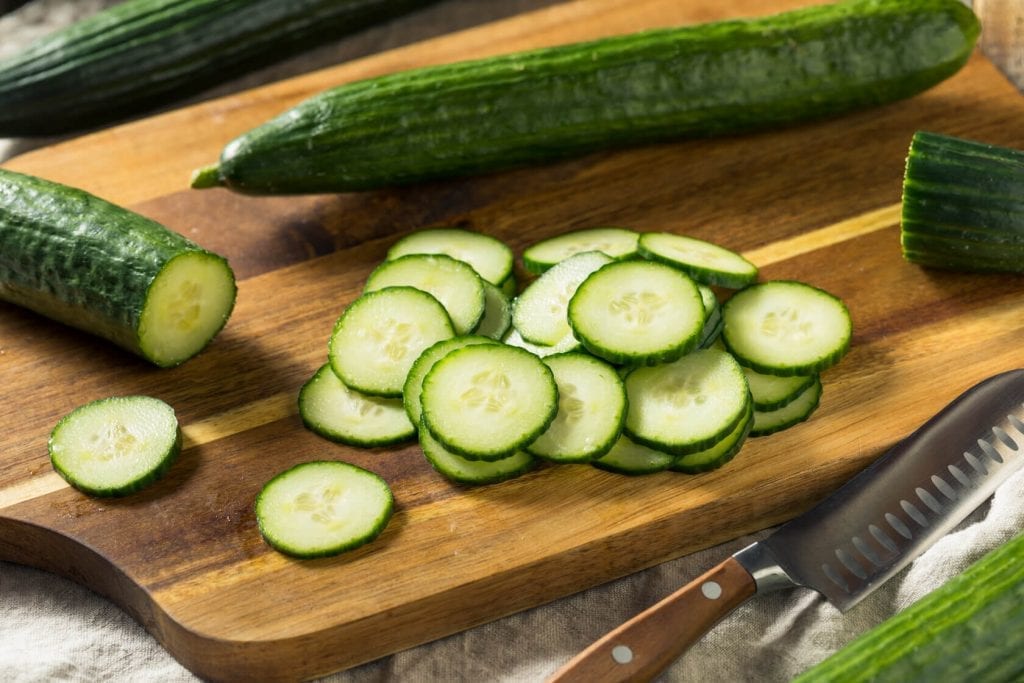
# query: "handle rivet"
{"points": [[711, 590], [622, 654]]}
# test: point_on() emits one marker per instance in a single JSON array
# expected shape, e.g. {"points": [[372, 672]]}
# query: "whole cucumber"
{"points": [[532, 107], [142, 53], [83, 261]]}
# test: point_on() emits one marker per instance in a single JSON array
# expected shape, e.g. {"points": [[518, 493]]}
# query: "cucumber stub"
{"points": [[115, 446], [322, 508]]}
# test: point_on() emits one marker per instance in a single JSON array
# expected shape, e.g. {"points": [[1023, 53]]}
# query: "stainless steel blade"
{"points": [[914, 494]]}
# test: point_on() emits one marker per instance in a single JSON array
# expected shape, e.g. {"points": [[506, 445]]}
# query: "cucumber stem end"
{"points": [[206, 177]]}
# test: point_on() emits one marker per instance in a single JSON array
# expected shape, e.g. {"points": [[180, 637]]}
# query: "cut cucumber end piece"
{"points": [[322, 508], [115, 446], [187, 304], [705, 262], [334, 411], [616, 243]]}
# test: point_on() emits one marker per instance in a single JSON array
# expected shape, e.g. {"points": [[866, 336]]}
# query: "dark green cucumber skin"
{"points": [[539, 106], [967, 629], [963, 205], [142, 53], [78, 259]]}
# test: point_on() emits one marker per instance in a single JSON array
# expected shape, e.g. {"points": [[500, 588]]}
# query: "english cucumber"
{"points": [[85, 262], [534, 107]]}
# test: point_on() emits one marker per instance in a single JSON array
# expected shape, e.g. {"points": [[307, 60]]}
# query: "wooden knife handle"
{"points": [[644, 646]]}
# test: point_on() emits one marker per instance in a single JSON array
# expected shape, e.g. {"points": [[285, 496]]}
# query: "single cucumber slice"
{"points": [[475, 472], [617, 243], [488, 401], [688, 405], [566, 344], [380, 335], [539, 313], [115, 446], [497, 317], [786, 328], [705, 262], [454, 283], [413, 386], [628, 457], [336, 412], [322, 508], [490, 258], [591, 410], [637, 312], [772, 391], [796, 411], [717, 454], [708, 299]]}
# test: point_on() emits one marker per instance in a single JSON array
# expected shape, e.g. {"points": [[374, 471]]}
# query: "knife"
{"points": [[846, 546]]}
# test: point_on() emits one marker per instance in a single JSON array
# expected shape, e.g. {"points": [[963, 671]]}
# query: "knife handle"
{"points": [[644, 646]]}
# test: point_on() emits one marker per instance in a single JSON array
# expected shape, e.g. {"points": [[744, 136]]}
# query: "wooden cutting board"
{"points": [[818, 203]]}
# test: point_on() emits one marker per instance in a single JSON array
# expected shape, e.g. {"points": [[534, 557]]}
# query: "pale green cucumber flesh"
{"points": [[336, 412], [773, 391], [719, 453], [115, 446], [799, 409], [491, 258], [413, 387], [381, 334], [473, 472], [591, 410], [564, 345], [539, 314], [497, 318], [628, 457], [617, 243], [706, 263], [322, 508]]}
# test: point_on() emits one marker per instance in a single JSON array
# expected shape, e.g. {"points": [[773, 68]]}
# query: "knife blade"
{"points": [[847, 545]]}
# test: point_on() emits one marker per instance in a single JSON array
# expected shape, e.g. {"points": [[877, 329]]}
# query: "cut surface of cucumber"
{"points": [[591, 409], [794, 412], [474, 472], [488, 401], [322, 508], [497, 317], [772, 391], [539, 313], [413, 386], [454, 283], [115, 446], [786, 327], [688, 405], [637, 312], [381, 334], [336, 412], [705, 262], [628, 457], [568, 343], [719, 453], [616, 243], [489, 257]]}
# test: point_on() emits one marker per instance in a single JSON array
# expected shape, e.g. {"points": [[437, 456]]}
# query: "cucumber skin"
{"points": [[142, 53], [963, 205], [79, 259], [963, 630], [533, 107]]}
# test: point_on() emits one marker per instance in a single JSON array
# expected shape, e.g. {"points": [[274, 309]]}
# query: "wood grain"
{"points": [[817, 203]]}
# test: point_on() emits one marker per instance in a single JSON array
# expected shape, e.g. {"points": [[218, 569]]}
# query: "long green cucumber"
{"points": [[963, 205], [532, 107], [83, 261], [967, 629], [141, 53]]}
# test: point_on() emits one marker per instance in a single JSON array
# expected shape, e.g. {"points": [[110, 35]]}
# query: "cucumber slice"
{"points": [[454, 283], [115, 446], [539, 313], [322, 508], [474, 472], [786, 328], [497, 317], [510, 287], [686, 406], [717, 454], [628, 457], [772, 391], [591, 410], [489, 257], [565, 345], [637, 312], [708, 299], [380, 335], [705, 262], [794, 412], [334, 411], [712, 330], [413, 386], [616, 243], [487, 401]]}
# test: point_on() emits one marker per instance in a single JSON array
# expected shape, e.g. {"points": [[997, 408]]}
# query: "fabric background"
{"points": [[55, 630]]}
